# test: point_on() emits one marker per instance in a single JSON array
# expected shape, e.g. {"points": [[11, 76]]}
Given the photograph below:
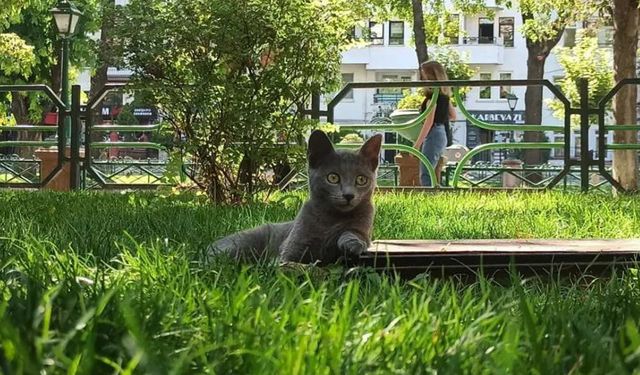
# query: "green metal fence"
{"points": [[584, 165], [17, 172], [88, 171], [119, 173]]}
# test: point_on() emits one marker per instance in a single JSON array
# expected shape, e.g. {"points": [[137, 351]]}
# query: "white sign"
{"points": [[500, 118]]}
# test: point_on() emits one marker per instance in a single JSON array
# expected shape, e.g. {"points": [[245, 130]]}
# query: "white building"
{"points": [[494, 48]]}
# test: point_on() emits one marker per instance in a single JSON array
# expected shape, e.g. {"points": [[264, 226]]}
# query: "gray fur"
{"points": [[329, 226]]}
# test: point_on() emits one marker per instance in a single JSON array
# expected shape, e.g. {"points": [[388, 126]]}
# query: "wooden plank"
{"points": [[445, 189], [506, 246], [496, 257]]}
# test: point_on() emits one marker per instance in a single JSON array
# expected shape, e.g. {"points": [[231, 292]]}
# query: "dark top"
{"points": [[442, 114]]}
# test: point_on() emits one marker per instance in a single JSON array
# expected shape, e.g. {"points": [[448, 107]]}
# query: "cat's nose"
{"points": [[348, 197]]}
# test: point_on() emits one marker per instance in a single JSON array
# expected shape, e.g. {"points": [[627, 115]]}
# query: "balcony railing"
{"points": [[481, 40]]}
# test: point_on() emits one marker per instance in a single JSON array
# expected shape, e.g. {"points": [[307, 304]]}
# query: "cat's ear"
{"points": [[319, 148], [370, 150]]}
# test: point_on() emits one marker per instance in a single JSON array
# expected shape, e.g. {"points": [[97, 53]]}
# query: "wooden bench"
{"points": [[495, 257]]}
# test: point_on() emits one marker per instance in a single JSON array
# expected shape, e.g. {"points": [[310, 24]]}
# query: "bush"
{"points": [[233, 79], [411, 100]]}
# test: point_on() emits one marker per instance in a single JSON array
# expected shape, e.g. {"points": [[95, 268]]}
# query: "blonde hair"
{"points": [[437, 70]]}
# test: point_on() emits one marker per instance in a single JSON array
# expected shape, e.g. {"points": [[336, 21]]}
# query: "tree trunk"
{"points": [[419, 33], [538, 52], [20, 111], [99, 79], [625, 42], [533, 103]]}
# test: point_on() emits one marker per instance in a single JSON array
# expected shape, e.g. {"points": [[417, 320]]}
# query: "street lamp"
{"points": [[512, 100], [66, 16]]}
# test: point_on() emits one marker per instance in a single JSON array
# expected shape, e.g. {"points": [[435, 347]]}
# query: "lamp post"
{"points": [[66, 16], [512, 100]]}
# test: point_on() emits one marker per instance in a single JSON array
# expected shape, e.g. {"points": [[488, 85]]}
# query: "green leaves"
{"points": [[232, 76], [544, 19], [17, 57], [585, 60], [31, 29], [454, 62]]}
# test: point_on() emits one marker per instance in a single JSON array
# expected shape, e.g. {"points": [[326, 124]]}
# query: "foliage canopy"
{"points": [[232, 77]]}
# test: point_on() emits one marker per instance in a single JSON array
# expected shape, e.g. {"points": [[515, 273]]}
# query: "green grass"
{"points": [[111, 283]]}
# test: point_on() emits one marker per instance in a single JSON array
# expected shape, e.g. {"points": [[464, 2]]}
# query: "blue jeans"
{"points": [[433, 146]]}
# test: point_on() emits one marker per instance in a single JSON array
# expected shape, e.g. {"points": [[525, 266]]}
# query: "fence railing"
{"points": [[26, 172], [585, 162], [603, 128], [87, 171], [118, 172]]}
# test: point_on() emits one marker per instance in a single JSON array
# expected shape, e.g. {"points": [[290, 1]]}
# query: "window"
{"points": [[569, 37], [452, 30], [505, 91], [347, 78], [605, 36], [396, 33], [485, 30], [376, 33], [506, 30], [485, 92]]}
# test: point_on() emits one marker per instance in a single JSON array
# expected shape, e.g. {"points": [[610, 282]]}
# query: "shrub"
{"points": [[232, 78]]}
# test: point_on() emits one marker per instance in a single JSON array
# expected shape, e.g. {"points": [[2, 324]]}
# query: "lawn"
{"points": [[95, 283]]}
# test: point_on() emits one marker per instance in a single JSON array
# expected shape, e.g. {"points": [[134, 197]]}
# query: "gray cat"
{"points": [[335, 223]]}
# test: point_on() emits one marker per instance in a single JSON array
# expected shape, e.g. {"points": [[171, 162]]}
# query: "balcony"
{"points": [[118, 75], [381, 57], [482, 50]]}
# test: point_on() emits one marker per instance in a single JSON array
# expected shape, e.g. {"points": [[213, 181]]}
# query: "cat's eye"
{"points": [[333, 178], [361, 180]]}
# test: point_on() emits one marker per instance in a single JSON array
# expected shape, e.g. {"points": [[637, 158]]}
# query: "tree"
{"points": [[30, 25], [584, 60], [228, 75], [544, 22], [32, 22], [104, 51], [17, 58], [625, 43], [419, 34], [455, 63]]}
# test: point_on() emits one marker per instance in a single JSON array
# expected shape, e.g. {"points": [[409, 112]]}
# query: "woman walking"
{"points": [[433, 138]]}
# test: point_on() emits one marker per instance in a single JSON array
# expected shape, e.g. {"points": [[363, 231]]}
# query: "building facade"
{"points": [[493, 46], [495, 49]]}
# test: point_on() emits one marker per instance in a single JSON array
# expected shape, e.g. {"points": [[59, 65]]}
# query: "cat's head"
{"points": [[342, 179]]}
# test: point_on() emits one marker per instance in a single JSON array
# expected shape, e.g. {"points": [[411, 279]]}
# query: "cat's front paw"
{"points": [[352, 246]]}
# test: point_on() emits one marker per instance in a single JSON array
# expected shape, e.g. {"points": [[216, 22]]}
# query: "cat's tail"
{"points": [[252, 245]]}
